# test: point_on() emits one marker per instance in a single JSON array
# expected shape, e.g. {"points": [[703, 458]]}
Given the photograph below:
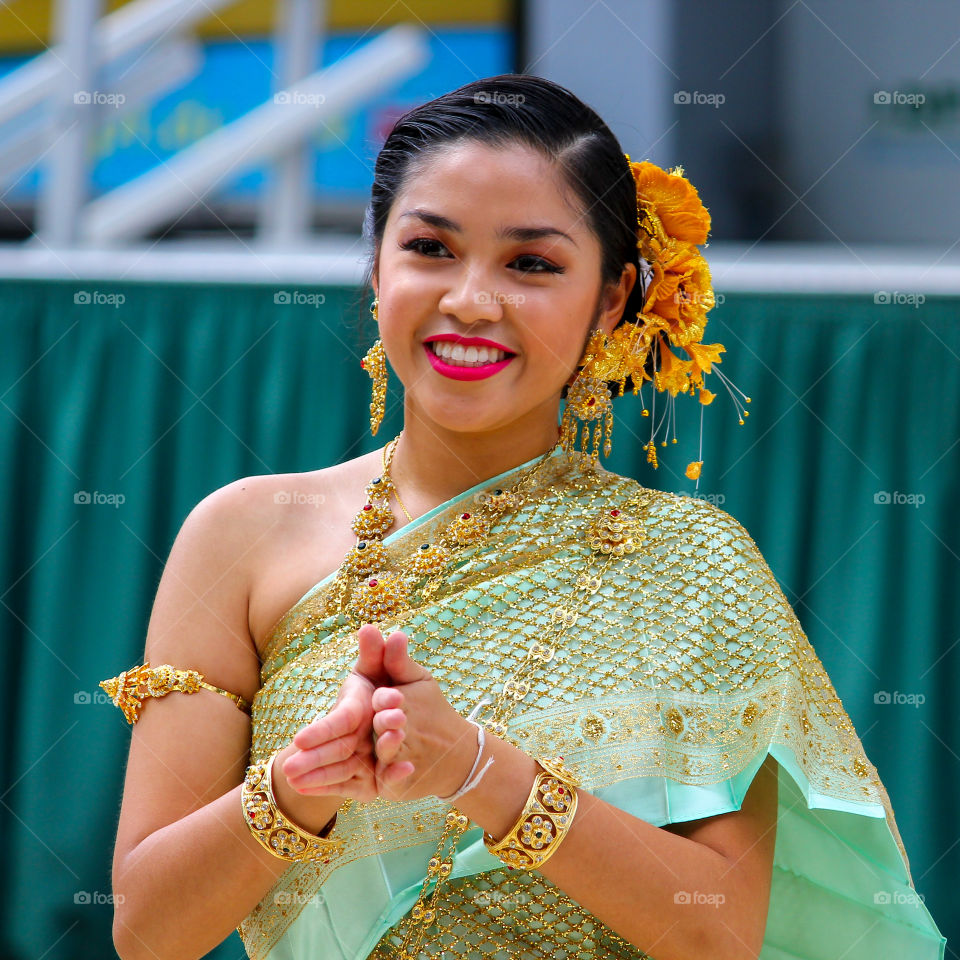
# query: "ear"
{"points": [[615, 299]]}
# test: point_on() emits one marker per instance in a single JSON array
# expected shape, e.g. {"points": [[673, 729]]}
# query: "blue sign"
{"points": [[236, 77]]}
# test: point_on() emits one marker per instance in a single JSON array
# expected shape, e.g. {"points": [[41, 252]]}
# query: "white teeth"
{"points": [[458, 355]]}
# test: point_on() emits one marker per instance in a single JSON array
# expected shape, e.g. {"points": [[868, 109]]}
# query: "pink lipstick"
{"points": [[465, 373]]}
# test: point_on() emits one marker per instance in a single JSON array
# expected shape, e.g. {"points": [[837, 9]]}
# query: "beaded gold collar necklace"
{"points": [[368, 589]]}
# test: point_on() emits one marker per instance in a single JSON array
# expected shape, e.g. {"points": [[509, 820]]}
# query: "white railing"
{"points": [[46, 115], [736, 267], [267, 132]]}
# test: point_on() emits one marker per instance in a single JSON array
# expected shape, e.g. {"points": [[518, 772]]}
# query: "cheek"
{"points": [[401, 312], [557, 338], [404, 298], [406, 306]]}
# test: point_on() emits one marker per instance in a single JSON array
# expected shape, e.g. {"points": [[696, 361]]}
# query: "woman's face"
{"points": [[482, 243]]}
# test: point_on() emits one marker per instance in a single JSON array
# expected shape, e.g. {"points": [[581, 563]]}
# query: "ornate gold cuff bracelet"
{"points": [[545, 820], [280, 835]]}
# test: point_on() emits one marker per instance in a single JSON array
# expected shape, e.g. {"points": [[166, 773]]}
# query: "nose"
{"points": [[473, 300]]}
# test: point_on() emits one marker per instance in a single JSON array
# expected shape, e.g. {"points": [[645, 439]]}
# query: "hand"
{"points": [[334, 753], [416, 726]]}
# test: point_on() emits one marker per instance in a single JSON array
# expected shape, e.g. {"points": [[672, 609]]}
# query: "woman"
{"points": [[528, 707]]}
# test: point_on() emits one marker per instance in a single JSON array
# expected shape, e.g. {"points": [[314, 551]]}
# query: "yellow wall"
{"points": [[25, 24]]}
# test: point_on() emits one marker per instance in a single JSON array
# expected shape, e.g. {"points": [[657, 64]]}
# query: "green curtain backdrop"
{"points": [[846, 474]]}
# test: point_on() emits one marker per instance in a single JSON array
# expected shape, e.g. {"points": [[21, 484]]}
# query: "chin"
{"points": [[465, 417]]}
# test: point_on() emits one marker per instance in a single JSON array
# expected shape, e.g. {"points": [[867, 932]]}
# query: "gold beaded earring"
{"points": [[375, 363], [588, 399]]}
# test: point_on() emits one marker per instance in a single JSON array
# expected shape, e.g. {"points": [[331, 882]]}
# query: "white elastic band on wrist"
{"points": [[472, 781]]}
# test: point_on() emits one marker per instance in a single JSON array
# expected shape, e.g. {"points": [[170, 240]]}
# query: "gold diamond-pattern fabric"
{"points": [[686, 663]]}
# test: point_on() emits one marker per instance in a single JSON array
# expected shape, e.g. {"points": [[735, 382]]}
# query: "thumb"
{"points": [[398, 662], [370, 659]]}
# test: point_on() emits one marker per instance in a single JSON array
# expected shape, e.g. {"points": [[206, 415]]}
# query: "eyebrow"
{"points": [[521, 234]]}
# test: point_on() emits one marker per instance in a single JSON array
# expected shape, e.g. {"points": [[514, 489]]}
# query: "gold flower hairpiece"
{"points": [[671, 224]]}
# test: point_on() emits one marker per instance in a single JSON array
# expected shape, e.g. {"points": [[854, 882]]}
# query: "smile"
{"points": [[458, 362]]}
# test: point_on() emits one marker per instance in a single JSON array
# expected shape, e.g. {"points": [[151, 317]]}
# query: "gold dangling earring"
{"points": [[375, 363], [588, 399]]}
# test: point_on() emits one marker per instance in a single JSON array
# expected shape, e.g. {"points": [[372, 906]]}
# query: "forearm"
{"points": [[187, 886], [625, 871]]}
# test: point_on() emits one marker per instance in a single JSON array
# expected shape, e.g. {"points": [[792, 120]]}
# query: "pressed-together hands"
{"points": [[391, 732]]}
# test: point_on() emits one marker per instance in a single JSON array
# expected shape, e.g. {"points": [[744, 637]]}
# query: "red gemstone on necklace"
{"points": [[614, 513], [591, 401], [368, 506], [465, 516], [373, 583]]}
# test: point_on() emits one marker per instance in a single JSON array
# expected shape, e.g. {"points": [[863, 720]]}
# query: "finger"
{"points": [[398, 662], [370, 659], [303, 761], [356, 786], [386, 698], [395, 772], [363, 746], [341, 721], [385, 720], [371, 684], [334, 773], [388, 745]]}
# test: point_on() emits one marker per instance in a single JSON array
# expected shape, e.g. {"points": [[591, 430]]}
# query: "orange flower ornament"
{"points": [[672, 223]]}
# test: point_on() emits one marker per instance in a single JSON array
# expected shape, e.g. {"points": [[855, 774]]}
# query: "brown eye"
{"points": [[539, 261], [539, 264], [417, 245]]}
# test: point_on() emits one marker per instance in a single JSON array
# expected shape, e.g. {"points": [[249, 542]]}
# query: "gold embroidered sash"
{"points": [[687, 663]]}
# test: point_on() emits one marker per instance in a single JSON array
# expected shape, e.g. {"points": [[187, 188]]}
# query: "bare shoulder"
{"points": [[187, 749], [199, 616], [250, 503], [297, 528]]}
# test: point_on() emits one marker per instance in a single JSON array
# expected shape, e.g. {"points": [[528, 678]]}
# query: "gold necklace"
{"points": [[367, 590], [386, 471]]}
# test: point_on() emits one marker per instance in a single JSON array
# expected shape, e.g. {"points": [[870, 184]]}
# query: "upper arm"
{"points": [[189, 749], [746, 839]]}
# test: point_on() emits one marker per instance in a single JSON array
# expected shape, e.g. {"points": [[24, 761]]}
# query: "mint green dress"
{"points": [[683, 671]]}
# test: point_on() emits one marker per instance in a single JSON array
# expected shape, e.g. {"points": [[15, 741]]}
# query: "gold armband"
{"points": [[545, 820], [267, 822], [124, 690]]}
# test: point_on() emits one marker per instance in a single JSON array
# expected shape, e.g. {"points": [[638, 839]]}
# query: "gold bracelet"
{"points": [[545, 820], [280, 835], [124, 690]]}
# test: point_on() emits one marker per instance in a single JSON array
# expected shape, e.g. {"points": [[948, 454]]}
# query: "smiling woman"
{"points": [[533, 286], [556, 713]]}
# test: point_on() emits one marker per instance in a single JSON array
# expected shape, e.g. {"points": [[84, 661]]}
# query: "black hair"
{"points": [[521, 109]]}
